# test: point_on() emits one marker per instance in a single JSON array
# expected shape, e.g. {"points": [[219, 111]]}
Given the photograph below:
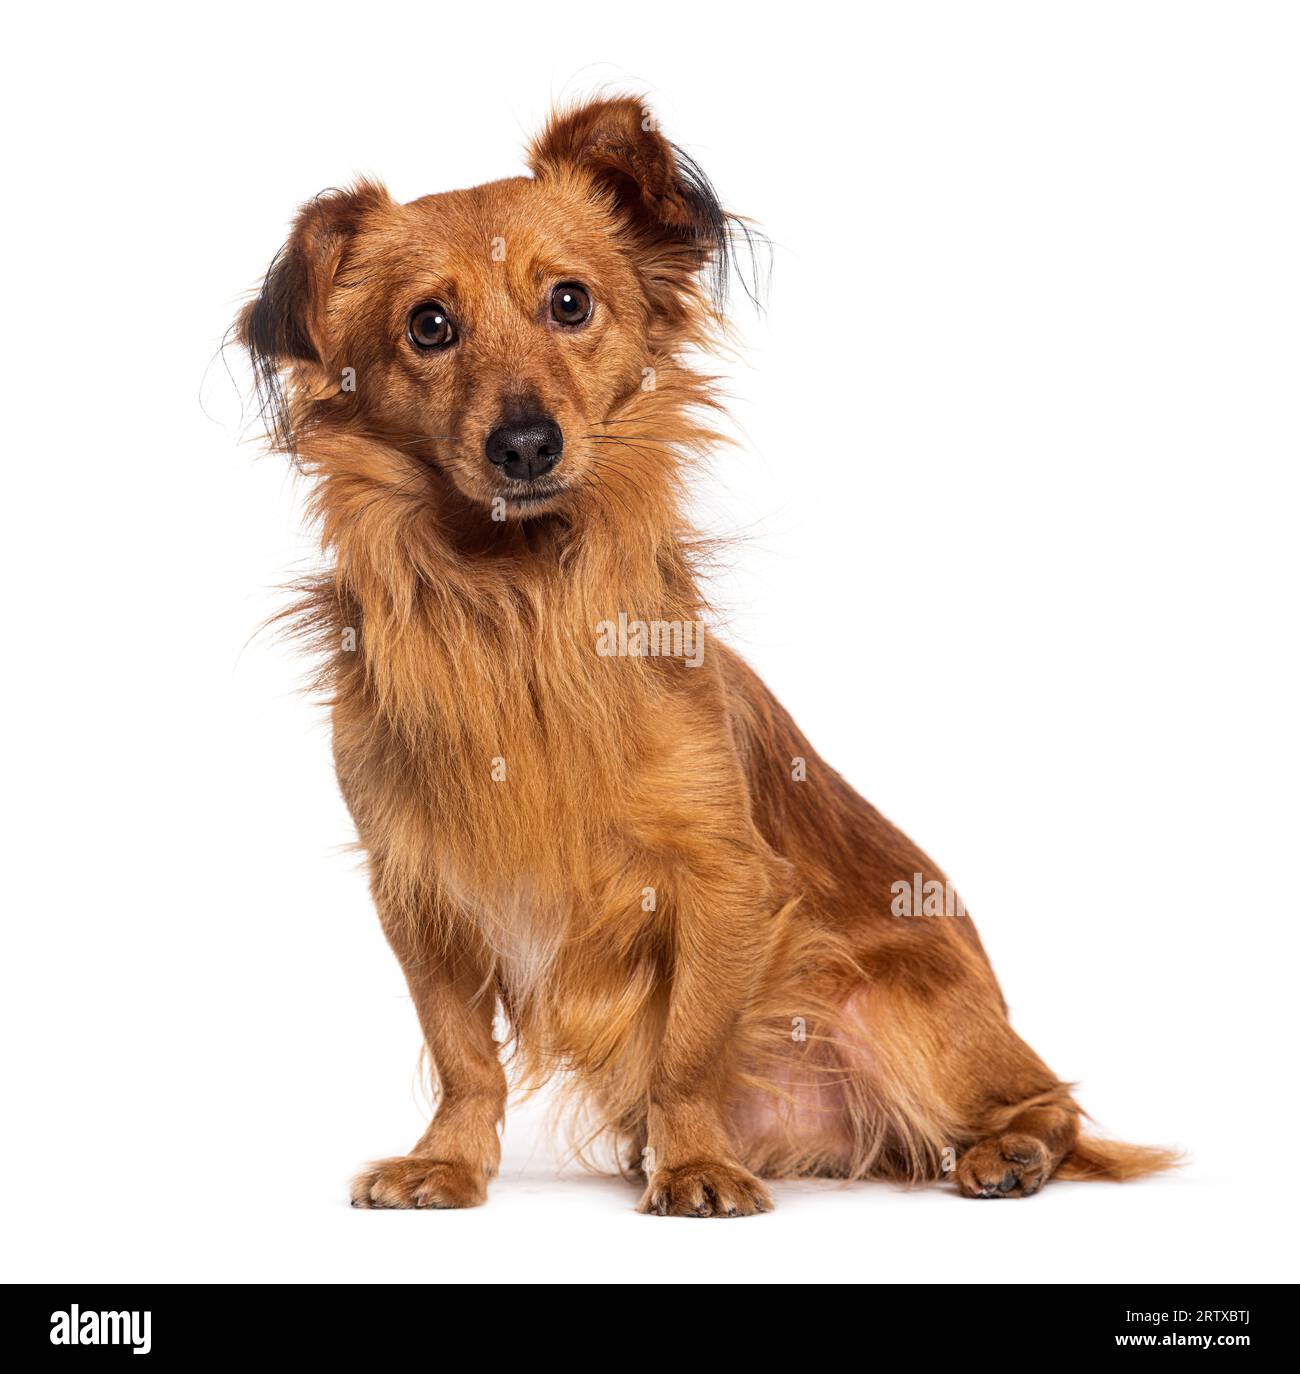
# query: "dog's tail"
{"points": [[1095, 1158]]}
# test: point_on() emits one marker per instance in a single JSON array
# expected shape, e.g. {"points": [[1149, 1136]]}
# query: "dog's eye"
{"points": [[570, 304], [430, 327]]}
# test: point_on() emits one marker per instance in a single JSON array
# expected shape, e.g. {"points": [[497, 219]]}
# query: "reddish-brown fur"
{"points": [[624, 855]]}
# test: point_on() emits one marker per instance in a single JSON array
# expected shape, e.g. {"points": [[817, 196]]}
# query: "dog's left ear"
{"points": [[662, 198]]}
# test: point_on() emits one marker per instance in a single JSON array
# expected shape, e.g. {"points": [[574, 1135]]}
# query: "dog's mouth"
{"points": [[521, 498], [532, 496]]}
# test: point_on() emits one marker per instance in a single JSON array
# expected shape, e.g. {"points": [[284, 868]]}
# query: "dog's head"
{"points": [[491, 349]]}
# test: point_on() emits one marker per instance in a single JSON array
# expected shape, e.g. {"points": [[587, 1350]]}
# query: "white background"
{"points": [[1016, 492]]}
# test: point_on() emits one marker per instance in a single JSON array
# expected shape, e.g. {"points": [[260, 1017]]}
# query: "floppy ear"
{"points": [[659, 193], [286, 325]]}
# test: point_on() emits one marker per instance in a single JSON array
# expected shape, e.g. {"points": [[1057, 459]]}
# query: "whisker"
{"points": [[607, 490], [613, 438], [619, 464], [634, 448]]}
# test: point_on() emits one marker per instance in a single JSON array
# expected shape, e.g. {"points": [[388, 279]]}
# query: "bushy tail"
{"points": [[1093, 1157]]}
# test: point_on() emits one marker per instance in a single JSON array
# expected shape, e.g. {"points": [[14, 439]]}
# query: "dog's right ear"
{"points": [[287, 320], [286, 325]]}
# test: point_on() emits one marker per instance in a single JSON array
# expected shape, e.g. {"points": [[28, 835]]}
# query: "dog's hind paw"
{"points": [[1013, 1165]]}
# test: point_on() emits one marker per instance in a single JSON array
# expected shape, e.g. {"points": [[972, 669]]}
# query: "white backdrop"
{"points": [[1016, 496]]}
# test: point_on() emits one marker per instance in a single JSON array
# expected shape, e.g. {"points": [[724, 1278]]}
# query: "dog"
{"points": [[614, 852]]}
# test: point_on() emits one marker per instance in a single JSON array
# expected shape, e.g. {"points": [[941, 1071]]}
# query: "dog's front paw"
{"points": [[1007, 1166], [708, 1188], [413, 1181]]}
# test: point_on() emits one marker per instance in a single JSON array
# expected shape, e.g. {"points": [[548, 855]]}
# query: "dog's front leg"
{"points": [[453, 1160], [692, 1166]]}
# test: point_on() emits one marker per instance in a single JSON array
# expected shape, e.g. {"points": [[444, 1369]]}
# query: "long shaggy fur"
{"points": [[675, 903]]}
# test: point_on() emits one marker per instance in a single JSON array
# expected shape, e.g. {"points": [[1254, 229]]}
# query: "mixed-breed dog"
{"points": [[634, 857]]}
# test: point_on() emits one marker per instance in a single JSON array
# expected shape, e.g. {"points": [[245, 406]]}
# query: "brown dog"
{"points": [[573, 812]]}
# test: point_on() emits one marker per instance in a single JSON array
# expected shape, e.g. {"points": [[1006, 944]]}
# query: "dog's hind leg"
{"points": [[946, 1088], [938, 1072]]}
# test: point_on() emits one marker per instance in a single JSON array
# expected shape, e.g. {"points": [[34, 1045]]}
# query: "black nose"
{"points": [[527, 450]]}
